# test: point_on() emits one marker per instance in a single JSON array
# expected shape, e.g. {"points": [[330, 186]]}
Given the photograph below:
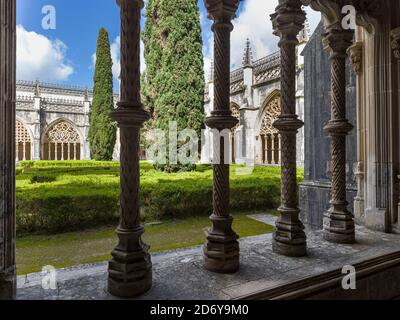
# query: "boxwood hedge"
{"points": [[74, 195]]}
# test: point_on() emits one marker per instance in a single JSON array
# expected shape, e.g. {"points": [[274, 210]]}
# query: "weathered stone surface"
{"points": [[314, 191], [180, 275]]}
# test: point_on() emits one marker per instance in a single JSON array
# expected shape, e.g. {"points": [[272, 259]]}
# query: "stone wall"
{"points": [[315, 190]]}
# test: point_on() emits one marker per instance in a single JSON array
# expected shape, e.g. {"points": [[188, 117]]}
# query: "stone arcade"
{"points": [[375, 53], [52, 121], [255, 103]]}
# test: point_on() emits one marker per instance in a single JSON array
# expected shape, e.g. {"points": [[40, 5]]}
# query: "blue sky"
{"points": [[65, 55]]}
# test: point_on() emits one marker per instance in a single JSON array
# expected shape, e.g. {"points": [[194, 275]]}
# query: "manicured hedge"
{"points": [[74, 195]]}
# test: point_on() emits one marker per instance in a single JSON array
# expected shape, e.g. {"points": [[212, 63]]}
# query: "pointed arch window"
{"points": [[23, 142], [62, 142], [270, 139]]}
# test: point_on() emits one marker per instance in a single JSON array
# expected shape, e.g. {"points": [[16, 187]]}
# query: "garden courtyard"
{"points": [[67, 211]]}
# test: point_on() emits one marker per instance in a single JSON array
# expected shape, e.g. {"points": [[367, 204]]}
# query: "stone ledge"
{"points": [[179, 274]]}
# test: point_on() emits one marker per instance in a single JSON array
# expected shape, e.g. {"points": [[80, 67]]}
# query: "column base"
{"points": [[289, 238], [339, 225], [289, 250], [130, 270], [221, 252], [294, 248]]}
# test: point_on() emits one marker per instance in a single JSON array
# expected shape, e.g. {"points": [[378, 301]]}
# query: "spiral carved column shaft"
{"points": [[338, 221], [221, 252], [130, 49], [130, 269], [289, 238]]}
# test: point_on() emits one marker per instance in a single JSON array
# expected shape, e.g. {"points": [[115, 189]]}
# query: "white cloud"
{"points": [[115, 56], [254, 22], [39, 57]]}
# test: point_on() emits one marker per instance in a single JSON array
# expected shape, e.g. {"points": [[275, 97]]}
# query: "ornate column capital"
{"points": [[395, 33], [222, 10], [288, 20], [355, 53], [337, 41]]}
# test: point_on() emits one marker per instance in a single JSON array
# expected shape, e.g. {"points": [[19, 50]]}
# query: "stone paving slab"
{"points": [[179, 274]]}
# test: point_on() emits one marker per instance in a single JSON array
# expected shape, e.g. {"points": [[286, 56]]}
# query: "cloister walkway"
{"points": [[180, 275]]}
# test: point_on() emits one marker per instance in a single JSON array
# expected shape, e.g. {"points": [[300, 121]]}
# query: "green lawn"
{"points": [[63, 208], [63, 250]]}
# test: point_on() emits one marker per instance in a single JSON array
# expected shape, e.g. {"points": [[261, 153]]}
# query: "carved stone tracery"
{"points": [[270, 138], [271, 114], [23, 142], [62, 132], [62, 142]]}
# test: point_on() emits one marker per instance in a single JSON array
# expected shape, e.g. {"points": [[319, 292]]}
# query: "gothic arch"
{"points": [[23, 141], [62, 141], [267, 135]]}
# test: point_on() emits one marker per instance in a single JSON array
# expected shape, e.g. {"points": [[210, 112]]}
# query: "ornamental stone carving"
{"points": [[271, 114], [396, 42], [356, 57]]}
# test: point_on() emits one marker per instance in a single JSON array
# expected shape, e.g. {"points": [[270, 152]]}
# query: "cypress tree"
{"points": [[102, 131], [174, 79]]}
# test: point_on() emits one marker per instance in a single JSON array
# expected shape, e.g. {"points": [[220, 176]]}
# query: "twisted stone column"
{"points": [[130, 271], [7, 149], [289, 238], [221, 252], [338, 221]]}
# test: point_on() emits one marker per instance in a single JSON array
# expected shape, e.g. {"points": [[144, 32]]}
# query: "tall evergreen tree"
{"points": [[174, 79], [102, 131]]}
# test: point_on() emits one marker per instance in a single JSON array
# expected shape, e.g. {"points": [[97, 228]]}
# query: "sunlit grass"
{"points": [[64, 250]]}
